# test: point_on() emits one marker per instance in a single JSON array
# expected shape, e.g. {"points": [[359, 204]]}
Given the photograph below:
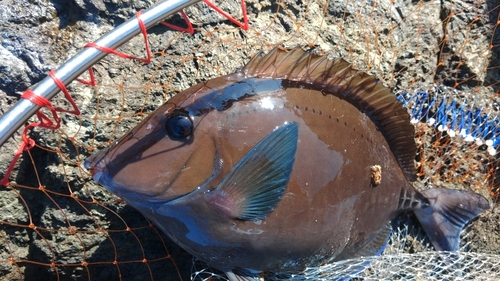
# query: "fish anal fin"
{"points": [[374, 245], [236, 276], [254, 186], [449, 211]]}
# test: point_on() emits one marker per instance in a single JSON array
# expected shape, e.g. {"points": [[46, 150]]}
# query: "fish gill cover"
{"points": [[441, 58]]}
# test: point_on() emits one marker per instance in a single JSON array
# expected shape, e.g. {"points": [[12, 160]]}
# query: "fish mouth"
{"points": [[96, 164]]}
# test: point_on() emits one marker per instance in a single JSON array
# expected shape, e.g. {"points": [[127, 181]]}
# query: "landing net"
{"points": [[440, 58]]}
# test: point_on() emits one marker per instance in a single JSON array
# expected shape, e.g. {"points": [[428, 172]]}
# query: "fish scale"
{"points": [[293, 161]]}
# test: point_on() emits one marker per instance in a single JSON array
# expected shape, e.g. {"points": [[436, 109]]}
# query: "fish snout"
{"points": [[96, 164]]}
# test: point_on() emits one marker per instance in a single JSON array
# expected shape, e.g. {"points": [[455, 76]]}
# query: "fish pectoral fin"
{"points": [[449, 211], [255, 185], [232, 276]]}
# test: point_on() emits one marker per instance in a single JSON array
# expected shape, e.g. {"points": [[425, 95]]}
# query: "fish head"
{"points": [[169, 154]]}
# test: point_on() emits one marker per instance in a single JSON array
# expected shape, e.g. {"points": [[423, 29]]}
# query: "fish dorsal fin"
{"points": [[311, 71]]}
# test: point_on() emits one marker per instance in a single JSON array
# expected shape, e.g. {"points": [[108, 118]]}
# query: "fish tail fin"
{"points": [[446, 213]]}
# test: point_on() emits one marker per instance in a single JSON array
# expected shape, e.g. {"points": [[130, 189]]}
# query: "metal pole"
{"points": [[12, 120]]}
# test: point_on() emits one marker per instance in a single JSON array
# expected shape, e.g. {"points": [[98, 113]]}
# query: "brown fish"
{"points": [[293, 161]]}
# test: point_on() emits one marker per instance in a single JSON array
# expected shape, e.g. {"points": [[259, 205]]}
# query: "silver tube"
{"points": [[12, 120]]}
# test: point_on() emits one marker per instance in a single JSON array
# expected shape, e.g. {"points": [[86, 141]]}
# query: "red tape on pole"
{"points": [[189, 29], [146, 60], [44, 121]]}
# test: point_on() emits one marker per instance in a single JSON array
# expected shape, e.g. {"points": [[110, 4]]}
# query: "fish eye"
{"points": [[179, 125]]}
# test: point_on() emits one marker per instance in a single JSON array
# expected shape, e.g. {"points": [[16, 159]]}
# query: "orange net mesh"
{"points": [[57, 224]]}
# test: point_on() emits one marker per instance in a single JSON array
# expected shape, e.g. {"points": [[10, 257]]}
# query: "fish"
{"points": [[294, 160]]}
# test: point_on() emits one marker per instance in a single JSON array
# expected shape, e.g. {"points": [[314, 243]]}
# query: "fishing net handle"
{"points": [[74, 67], [39, 97]]}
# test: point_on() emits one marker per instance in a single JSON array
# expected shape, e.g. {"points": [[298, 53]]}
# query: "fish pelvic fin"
{"points": [[235, 275], [447, 212], [255, 185]]}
